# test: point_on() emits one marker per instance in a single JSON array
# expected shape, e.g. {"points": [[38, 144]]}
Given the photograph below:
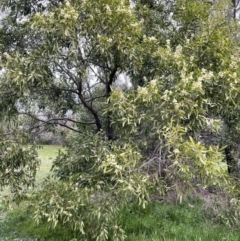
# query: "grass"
{"points": [[157, 222], [46, 153], [171, 222], [19, 225]]}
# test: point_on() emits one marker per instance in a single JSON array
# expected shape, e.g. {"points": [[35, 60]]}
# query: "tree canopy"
{"points": [[149, 91]]}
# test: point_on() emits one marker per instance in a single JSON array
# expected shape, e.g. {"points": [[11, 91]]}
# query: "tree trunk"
{"points": [[229, 158], [110, 131], [234, 8]]}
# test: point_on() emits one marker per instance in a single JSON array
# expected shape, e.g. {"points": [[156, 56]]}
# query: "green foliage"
{"points": [[169, 129], [89, 199], [18, 165], [88, 213]]}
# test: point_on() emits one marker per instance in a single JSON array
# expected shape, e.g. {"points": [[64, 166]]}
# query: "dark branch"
{"points": [[108, 92], [56, 121], [90, 108]]}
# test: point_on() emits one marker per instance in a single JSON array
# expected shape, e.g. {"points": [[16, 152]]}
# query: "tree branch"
{"points": [[56, 121], [108, 92], [88, 107]]}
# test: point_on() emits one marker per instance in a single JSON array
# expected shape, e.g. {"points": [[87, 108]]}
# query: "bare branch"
{"points": [[57, 121]]}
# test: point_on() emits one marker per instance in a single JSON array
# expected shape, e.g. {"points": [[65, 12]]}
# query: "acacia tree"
{"points": [[62, 57], [73, 55]]}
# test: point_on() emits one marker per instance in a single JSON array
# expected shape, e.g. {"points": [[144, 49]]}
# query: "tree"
{"points": [[66, 57], [63, 75]]}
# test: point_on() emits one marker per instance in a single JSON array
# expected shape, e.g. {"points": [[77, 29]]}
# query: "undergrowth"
{"points": [[19, 225], [170, 222], [157, 222]]}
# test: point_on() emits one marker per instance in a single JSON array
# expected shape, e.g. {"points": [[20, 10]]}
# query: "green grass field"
{"points": [[46, 153], [157, 222]]}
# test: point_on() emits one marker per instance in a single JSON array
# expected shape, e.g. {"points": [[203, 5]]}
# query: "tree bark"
{"points": [[110, 131], [88, 107], [229, 158]]}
